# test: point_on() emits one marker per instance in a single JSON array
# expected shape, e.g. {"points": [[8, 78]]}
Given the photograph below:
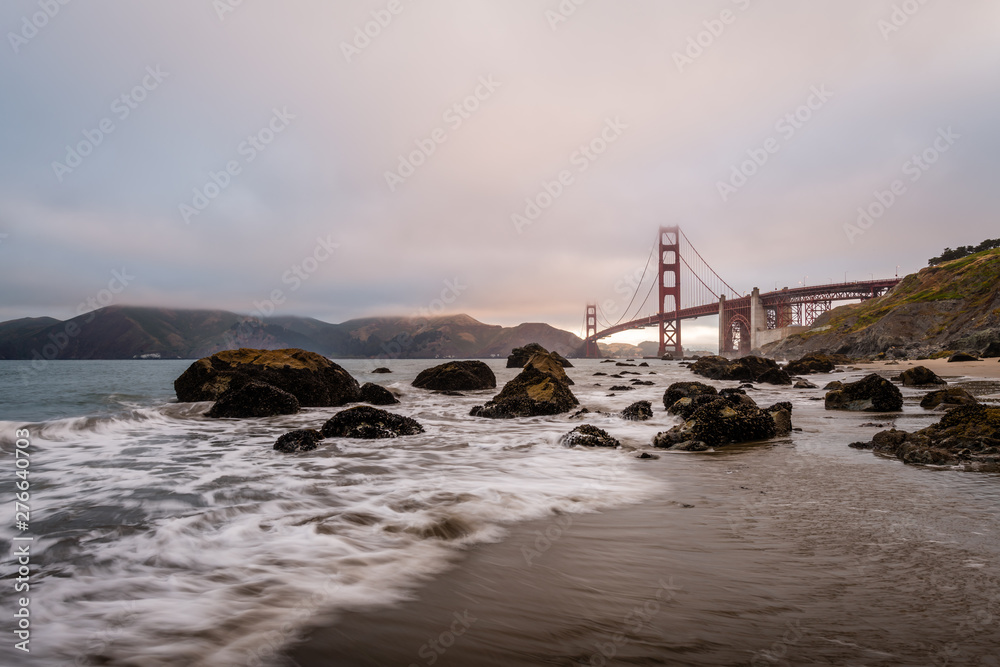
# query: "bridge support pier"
{"points": [[758, 319], [591, 351], [670, 288]]}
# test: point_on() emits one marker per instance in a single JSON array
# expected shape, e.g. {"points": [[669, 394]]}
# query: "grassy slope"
{"points": [[975, 280]]}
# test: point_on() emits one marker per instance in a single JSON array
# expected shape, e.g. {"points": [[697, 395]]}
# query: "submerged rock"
{"points": [[811, 363], [303, 440], [586, 435], [457, 376], [968, 435], [377, 395], [254, 399], [638, 412], [370, 424], [313, 379], [381, 370], [872, 393], [727, 419], [542, 388], [745, 369], [919, 376], [949, 397], [805, 384]]}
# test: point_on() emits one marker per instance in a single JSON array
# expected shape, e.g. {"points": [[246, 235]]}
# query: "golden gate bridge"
{"points": [[687, 288]]}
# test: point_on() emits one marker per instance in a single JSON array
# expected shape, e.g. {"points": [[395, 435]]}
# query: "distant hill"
{"points": [[952, 306], [124, 332]]}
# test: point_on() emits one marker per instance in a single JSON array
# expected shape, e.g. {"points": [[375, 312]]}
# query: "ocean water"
{"points": [[161, 537]]}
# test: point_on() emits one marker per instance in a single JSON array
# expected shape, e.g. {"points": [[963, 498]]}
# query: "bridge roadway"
{"points": [[864, 289]]}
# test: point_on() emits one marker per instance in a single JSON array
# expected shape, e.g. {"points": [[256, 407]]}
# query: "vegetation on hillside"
{"points": [[963, 251]]}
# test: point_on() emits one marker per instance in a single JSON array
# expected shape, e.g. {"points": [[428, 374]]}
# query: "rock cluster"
{"points": [[919, 376], [967, 435], [872, 393], [457, 376], [586, 435], [520, 356], [542, 388], [745, 369], [638, 412], [717, 420], [812, 363], [369, 423], [314, 380]]}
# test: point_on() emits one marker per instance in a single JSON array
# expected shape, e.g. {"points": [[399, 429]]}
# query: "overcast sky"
{"points": [[311, 117]]}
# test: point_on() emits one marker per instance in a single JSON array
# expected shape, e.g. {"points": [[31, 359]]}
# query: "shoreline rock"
{"points": [[920, 376], [253, 400], [586, 435], [369, 423], [542, 388], [873, 393], [520, 356], [302, 440], [457, 376]]}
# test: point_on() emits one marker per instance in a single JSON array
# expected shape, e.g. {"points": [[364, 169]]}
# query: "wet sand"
{"points": [[800, 551]]}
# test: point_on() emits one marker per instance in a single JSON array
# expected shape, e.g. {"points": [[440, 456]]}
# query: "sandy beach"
{"points": [[988, 369]]}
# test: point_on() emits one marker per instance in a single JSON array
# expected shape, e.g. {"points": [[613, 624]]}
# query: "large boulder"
{"points": [[542, 388], [872, 393], [457, 376], [370, 424], [520, 356], [303, 440], [254, 399], [968, 435], [919, 376], [718, 423], [638, 412], [377, 395], [962, 356], [679, 390], [745, 369], [586, 435], [811, 363], [948, 398], [774, 376], [781, 413], [992, 350], [312, 378]]}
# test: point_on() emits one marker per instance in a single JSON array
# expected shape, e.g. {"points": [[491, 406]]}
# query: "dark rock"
{"points": [[962, 356], [870, 394], [686, 446], [254, 399], [992, 350], [679, 390], [644, 365], [622, 387], [968, 435], [579, 413], [646, 455], [608, 361], [313, 379], [949, 398], [542, 388], [370, 424], [630, 360], [836, 384], [519, 356], [719, 423], [381, 370], [919, 376], [781, 413], [457, 376], [811, 363], [586, 435], [597, 374], [685, 407], [303, 440], [638, 412], [642, 383], [745, 369], [774, 376], [625, 364], [805, 384], [377, 395]]}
